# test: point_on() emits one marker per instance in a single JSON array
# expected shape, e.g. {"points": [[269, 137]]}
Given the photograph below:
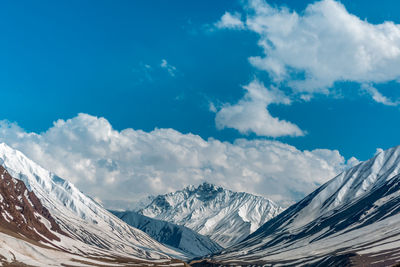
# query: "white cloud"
{"points": [[250, 114], [309, 52], [324, 44], [170, 69], [230, 21], [120, 166], [377, 96]]}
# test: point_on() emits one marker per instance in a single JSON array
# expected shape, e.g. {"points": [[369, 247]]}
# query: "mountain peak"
{"points": [[223, 215], [205, 189], [204, 185]]}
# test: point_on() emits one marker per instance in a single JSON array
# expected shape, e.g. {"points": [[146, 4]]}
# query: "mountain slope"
{"points": [[354, 218], [226, 217], [79, 216], [16, 250], [170, 234], [29, 235]]}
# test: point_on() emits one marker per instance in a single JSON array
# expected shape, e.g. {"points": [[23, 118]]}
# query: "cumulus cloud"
{"points": [[250, 114], [324, 44], [168, 67], [230, 21], [118, 167], [327, 43], [309, 52]]}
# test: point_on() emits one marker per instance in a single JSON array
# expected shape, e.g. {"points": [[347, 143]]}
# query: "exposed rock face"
{"points": [[22, 212]]}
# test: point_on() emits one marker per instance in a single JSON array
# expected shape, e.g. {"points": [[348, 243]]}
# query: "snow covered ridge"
{"points": [[170, 234], [92, 228], [353, 219], [226, 217]]}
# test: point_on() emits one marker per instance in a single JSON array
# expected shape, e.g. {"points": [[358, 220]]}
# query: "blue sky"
{"points": [[62, 58], [159, 64]]}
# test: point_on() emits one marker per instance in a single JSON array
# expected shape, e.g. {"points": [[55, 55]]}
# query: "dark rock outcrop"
{"points": [[22, 212]]}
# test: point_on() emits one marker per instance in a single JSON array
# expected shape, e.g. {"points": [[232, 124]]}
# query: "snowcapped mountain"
{"points": [[170, 234], [85, 226], [354, 219], [226, 217]]}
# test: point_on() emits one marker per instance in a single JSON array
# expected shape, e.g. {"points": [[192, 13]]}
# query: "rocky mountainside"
{"points": [[22, 212], [30, 236], [170, 234], [354, 219], [226, 217], [91, 228]]}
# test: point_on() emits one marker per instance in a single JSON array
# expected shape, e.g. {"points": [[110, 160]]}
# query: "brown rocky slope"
{"points": [[22, 212]]}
